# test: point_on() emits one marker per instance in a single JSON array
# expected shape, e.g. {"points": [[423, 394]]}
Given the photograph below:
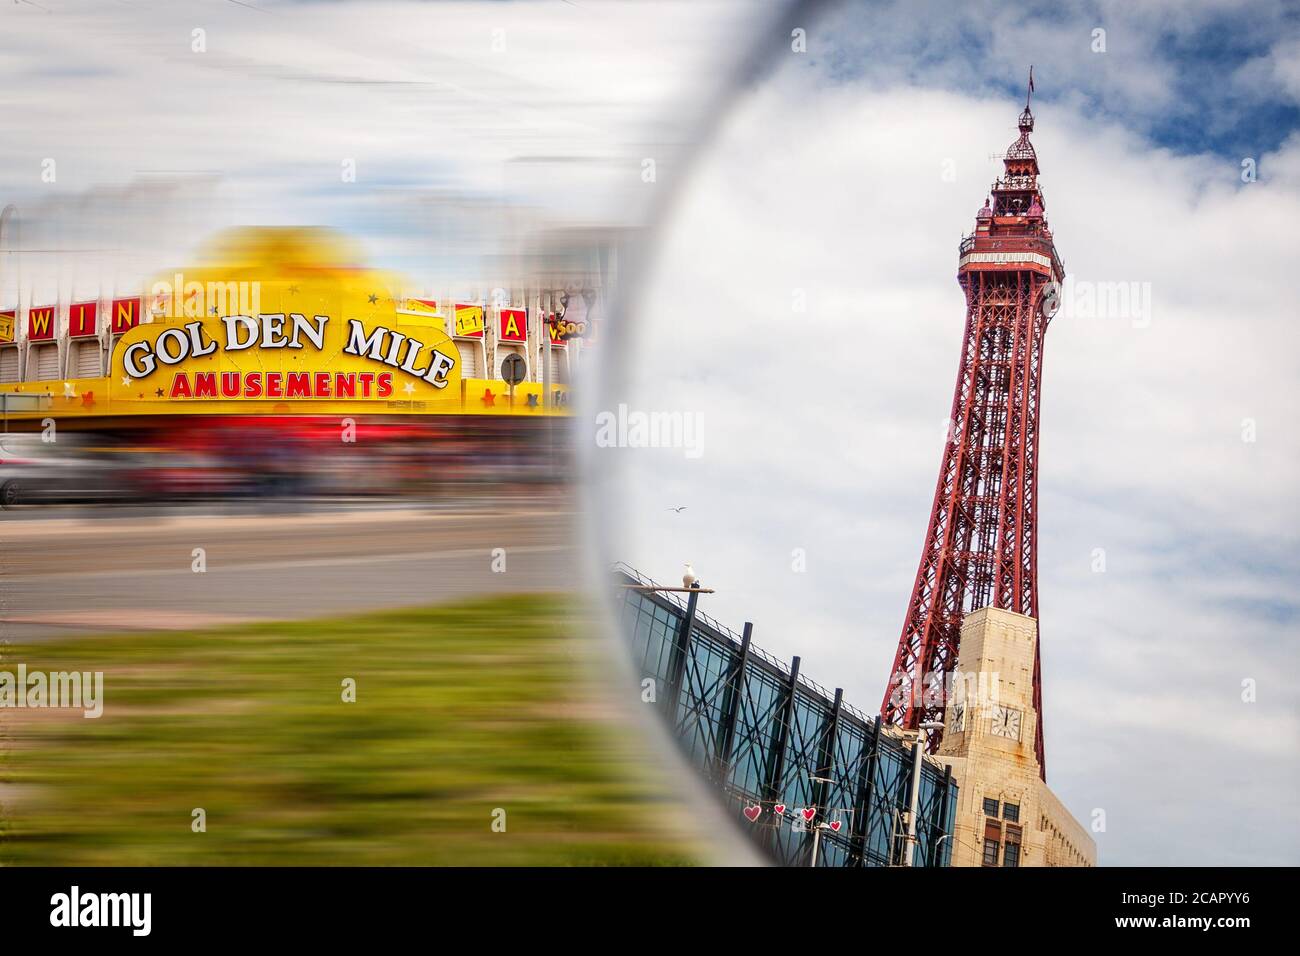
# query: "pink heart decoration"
{"points": [[836, 826], [809, 813], [779, 809], [753, 812]]}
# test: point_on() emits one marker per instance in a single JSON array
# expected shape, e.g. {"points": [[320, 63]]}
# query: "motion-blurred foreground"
{"points": [[190, 461], [476, 736]]}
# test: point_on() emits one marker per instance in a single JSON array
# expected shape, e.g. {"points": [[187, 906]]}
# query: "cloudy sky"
{"points": [[141, 126], [1170, 447]]}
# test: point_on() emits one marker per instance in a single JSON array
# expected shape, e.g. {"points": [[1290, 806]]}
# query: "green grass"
{"points": [[460, 709]]}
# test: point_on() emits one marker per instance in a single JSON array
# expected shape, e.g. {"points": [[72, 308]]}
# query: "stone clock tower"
{"points": [[1006, 815]]}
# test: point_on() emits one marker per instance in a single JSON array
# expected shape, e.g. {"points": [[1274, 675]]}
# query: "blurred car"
{"points": [[69, 470]]}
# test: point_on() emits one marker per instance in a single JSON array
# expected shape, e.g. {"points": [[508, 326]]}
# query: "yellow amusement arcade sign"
{"points": [[282, 321], [273, 322], [285, 356]]}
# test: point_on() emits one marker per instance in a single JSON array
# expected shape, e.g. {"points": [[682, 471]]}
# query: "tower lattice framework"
{"points": [[980, 546]]}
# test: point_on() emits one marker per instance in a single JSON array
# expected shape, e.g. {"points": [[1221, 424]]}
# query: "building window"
{"points": [[1011, 856], [1011, 812], [990, 853], [992, 840], [990, 807]]}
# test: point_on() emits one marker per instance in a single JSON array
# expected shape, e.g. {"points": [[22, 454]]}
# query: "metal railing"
{"points": [[782, 667], [794, 746]]}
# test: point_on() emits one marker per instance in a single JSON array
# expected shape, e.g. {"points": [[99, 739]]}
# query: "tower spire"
{"points": [[1030, 91]]}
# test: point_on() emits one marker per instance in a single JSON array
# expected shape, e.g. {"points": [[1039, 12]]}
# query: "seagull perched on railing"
{"points": [[689, 580]]}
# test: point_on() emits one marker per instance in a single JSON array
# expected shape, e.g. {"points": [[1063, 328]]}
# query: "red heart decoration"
{"points": [[779, 809], [809, 813], [753, 812], [836, 826]]}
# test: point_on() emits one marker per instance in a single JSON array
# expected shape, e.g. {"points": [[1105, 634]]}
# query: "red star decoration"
{"points": [[489, 400], [87, 399]]}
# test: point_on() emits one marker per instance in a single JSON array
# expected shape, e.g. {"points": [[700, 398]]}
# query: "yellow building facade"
{"points": [[278, 322]]}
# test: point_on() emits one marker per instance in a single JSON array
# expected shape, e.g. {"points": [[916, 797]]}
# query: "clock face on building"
{"points": [[1051, 300], [958, 717], [1006, 722]]}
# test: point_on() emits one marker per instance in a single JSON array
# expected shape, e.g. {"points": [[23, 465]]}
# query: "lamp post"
{"points": [[818, 827], [914, 803], [9, 214], [938, 847], [817, 835]]}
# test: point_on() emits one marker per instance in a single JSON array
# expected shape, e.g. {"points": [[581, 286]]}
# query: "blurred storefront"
{"points": [[281, 366]]}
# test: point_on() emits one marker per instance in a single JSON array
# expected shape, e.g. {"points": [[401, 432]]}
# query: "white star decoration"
{"points": [[409, 388], [126, 380], [69, 391]]}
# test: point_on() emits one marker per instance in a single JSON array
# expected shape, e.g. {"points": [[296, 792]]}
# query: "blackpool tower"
{"points": [[980, 547]]}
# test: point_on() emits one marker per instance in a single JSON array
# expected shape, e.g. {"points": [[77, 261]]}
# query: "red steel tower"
{"points": [[980, 547]]}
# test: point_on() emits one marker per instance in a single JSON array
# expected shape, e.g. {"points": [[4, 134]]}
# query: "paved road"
{"points": [[66, 575]]}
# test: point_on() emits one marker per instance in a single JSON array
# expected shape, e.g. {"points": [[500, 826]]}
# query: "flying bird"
{"points": [[689, 580], [678, 510]]}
